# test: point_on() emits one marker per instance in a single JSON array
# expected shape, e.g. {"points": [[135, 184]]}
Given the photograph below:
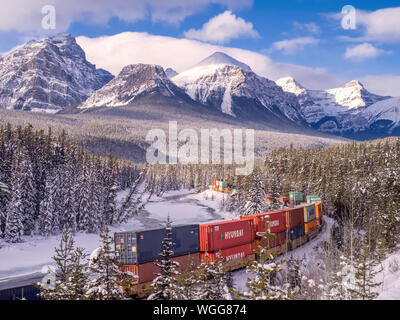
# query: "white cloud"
{"points": [[292, 46], [114, 52], [387, 85], [25, 16], [363, 52], [382, 25], [223, 28], [311, 27]]}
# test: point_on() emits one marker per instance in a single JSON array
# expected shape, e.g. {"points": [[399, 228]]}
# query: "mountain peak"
{"points": [[218, 58], [48, 75], [353, 83], [289, 84], [134, 81]]}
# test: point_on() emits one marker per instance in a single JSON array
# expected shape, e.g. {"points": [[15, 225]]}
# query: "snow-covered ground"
{"points": [[183, 206], [390, 278]]}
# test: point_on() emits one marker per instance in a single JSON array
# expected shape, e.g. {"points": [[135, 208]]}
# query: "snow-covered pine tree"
{"points": [[165, 285], [274, 193], [339, 281], [49, 209], [255, 198], [134, 201], [365, 275], [214, 281], [294, 274], [71, 271], [70, 208], [262, 286], [107, 279], [85, 213], [17, 207], [188, 282]]}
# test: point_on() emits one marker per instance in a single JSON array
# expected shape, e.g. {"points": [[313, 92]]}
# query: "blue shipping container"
{"points": [[309, 213], [137, 247], [297, 232], [28, 292]]}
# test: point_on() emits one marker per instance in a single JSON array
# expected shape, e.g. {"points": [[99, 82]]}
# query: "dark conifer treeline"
{"points": [[54, 184], [358, 182]]}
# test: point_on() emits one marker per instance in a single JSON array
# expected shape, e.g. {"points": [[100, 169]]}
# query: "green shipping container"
{"points": [[295, 196], [311, 198]]}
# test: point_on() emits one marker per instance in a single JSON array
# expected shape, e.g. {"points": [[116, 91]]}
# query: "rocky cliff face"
{"points": [[231, 87], [132, 82], [48, 75], [349, 110]]}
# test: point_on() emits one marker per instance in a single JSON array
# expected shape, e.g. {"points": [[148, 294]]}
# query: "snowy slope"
{"points": [[390, 278], [386, 111], [132, 82], [48, 75], [347, 109], [231, 87]]}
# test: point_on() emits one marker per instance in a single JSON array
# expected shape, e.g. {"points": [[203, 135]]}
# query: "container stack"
{"points": [[295, 198], [310, 220], [138, 250], [312, 198], [229, 241], [295, 226]]}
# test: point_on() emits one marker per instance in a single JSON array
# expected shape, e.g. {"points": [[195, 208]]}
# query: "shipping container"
{"points": [[296, 196], [137, 247], [226, 255], [276, 240], [257, 219], [309, 212], [296, 232], [318, 210], [310, 226], [312, 198], [226, 234], [147, 271], [276, 221], [294, 217]]}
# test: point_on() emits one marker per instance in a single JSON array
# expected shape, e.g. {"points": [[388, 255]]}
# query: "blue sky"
{"points": [[294, 32]]}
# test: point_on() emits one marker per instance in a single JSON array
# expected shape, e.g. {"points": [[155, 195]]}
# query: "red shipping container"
{"points": [[277, 221], [225, 234], [229, 254], [277, 240], [294, 217], [146, 271]]}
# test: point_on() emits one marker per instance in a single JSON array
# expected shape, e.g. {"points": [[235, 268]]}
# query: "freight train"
{"points": [[232, 241]]}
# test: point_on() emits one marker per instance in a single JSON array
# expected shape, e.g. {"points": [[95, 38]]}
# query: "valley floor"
{"points": [[21, 263]]}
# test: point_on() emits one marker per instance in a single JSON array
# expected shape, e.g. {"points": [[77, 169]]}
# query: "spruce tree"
{"points": [[366, 272], [106, 278], [255, 198], [214, 281], [165, 285], [71, 271]]}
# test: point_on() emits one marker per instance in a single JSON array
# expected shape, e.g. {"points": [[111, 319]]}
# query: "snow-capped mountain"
{"points": [[48, 75], [134, 81], [230, 86], [384, 116], [346, 110]]}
